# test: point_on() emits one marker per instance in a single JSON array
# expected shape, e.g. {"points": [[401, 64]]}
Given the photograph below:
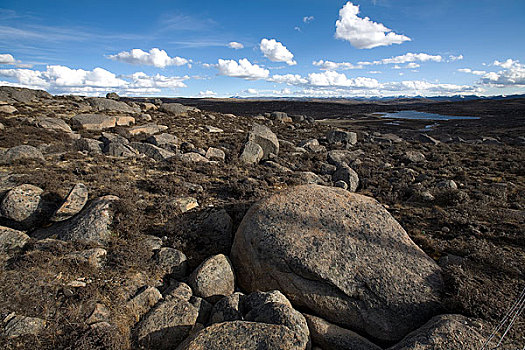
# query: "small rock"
{"points": [[215, 154], [307, 177], [146, 129], [104, 104], [23, 152], [11, 239], [172, 261], [139, 305], [100, 314], [256, 299], [88, 145], [277, 166], [414, 157], [327, 169], [265, 138], [146, 106], [108, 137], [73, 204], [124, 120], [93, 122], [53, 124], [178, 290], [339, 136], [113, 96], [227, 309], [341, 184], [342, 157], [348, 175], [213, 129], [93, 257], [22, 204], [152, 151], [8, 109], [176, 108], [447, 185], [192, 157], [18, 326], [117, 149], [185, 203], [252, 153], [163, 139], [213, 278]]}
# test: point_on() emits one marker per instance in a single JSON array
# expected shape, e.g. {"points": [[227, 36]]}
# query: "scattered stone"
{"points": [[163, 139], [18, 153], [212, 129], [140, 304], [113, 96], [166, 325], [252, 153], [91, 146], [117, 149], [242, 335], [444, 332], [192, 157], [327, 169], [348, 175], [11, 239], [313, 243], [73, 204], [53, 124], [341, 184], [152, 151], [215, 154], [447, 185], [146, 129], [178, 290], [332, 337], [93, 257], [176, 108], [185, 203], [93, 122], [342, 157], [213, 278], [22, 204], [8, 109], [307, 177], [124, 120], [281, 117], [18, 326], [265, 138], [172, 261], [309, 144], [104, 104], [146, 106], [339, 136], [414, 157], [424, 138], [227, 309], [100, 314], [278, 167], [108, 137]]}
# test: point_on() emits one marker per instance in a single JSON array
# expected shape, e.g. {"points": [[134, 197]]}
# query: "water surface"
{"points": [[422, 116]]}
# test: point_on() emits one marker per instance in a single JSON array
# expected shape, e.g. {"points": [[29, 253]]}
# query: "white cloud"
{"points": [[406, 58], [276, 52], [243, 69], [329, 65], [292, 79], [470, 71], [363, 33], [251, 91], [235, 45], [455, 58], [308, 19], [412, 65], [331, 78], [7, 59], [155, 57], [62, 79], [375, 72], [513, 74], [207, 93], [297, 28]]}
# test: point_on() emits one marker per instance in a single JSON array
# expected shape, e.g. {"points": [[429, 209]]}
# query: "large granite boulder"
{"points": [[264, 137], [341, 255], [104, 104]]}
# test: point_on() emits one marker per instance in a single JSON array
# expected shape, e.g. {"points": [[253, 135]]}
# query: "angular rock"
{"points": [[172, 261], [140, 304], [104, 104], [215, 154], [185, 203], [227, 309], [73, 204], [18, 326], [166, 325], [332, 337], [444, 332], [252, 153], [146, 129], [93, 257], [8, 109], [341, 255], [424, 138], [24, 95], [11, 239], [178, 290], [265, 138], [176, 108], [53, 124], [117, 149], [113, 96], [108, 137], [311, 145], [163, 139], [277, 166], [93, 122], [348, 175], [92, 224], [256, 299], [152, 151], [88, 145], [341, 157], [307, 177], [22, 204], [340, 136], [193, 157], [414, 157], [242, 335], [100, 314], [124, 120], [447, 185], [213, 278], [23, 152], [212, 129]]}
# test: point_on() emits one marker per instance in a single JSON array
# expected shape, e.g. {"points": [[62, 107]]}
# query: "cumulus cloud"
{"points": [[363, 33], [276, 52], [7, 59], [513, 74], [331, 78], [207, 93], [292, 79], [406, 58], [235, 45], [243, 69], [308, 19], [455, 58], [470, 71], [251, 91], [155, 57], [62, 79], [329, 65]]}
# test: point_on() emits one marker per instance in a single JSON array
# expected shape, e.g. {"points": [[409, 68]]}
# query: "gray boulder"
{"points": [[193, 157], [73, 204], [146, 129], [91, 146], [348, 175], [341, 255], [445, 332], [141, 303], [242, 335], [252, 153], [17, 326], [93, 122], [53, 124], [22, 204], [152, 151], [332, 337], [16, 94], [213, 278], [215, 154], [113, 96], [340, 136], [256, 299], [166, 325], [108, 137], [18, 153], [414, 157], [341, 157], [265, 138], [176, 108], [227, 309], [11, 239], [117, 149], [104, 104], [172, 261], [163, 139]]}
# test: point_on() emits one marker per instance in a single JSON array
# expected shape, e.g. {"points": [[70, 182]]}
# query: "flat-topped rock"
{"points": [[146, 129], [73, 204], [104, 104], [56, 124], [11, 239], [152, 151], [176, 108], [93, 122], [20, 153]]}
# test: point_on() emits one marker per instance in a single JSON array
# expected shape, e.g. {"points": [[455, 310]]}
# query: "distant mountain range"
{"points": [[405, 99]]}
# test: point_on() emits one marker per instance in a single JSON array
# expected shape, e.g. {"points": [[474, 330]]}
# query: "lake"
{"points": [[422, 116]]}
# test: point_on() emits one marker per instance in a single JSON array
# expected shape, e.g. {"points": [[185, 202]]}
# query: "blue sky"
{"points": [[264, 48]]}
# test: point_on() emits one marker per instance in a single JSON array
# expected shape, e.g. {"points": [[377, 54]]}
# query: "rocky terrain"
{"points": [[151, 224]]}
